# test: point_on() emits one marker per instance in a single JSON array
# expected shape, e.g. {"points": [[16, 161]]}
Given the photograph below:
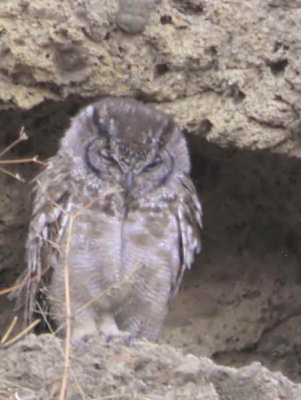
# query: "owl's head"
{"points": [[124, 141]]}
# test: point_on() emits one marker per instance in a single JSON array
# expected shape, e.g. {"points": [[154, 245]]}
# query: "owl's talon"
{"points": [[77, 340], [133, 341], [122, 337]]}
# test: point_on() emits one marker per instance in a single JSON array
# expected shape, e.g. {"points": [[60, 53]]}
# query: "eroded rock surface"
{"points": [[33, 369], [228, 71]]}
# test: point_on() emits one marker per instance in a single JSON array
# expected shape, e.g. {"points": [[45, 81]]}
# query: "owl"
{"points": [[115, 223]]}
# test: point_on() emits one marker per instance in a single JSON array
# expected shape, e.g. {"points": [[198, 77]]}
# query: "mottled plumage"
{"points": [[115, 205]]}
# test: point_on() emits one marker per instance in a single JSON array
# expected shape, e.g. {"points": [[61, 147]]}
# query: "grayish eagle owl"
{"points": [[116, 213]]}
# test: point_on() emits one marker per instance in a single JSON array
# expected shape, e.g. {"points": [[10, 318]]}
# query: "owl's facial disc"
{"points": [[131, 147], [135, 176], [150, 176]]}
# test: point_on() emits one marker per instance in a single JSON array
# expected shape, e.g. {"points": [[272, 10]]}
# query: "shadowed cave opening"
{"points": [[242, 299]]}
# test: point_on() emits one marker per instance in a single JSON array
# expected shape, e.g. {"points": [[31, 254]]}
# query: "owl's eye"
{"points": [[106, 157], [157, 161]]}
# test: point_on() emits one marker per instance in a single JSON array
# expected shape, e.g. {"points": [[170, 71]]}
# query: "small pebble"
{"points": [[133, 15]]}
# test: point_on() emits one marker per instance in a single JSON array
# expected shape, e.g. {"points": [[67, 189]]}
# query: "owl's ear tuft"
{"points": [[168, 130], [93, 115], [170, 126], [90, 110]]}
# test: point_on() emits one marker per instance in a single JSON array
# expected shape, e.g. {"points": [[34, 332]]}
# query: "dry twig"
{"points": [[68, 315], [20, 334], [22, 137], [9, 330]]}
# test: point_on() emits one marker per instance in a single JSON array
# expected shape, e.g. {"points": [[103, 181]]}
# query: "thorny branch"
{"points": [[22, 137]]}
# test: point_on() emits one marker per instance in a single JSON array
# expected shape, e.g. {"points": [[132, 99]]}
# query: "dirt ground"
{"points": [[33, 370]]}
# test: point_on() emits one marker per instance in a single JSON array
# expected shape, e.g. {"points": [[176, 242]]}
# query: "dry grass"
{"points": [[67, 352], [6, 342]]}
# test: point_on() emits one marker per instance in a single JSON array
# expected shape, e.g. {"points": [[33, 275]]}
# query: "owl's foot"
{"points": [[120, 337], [109, 330], [76, 341]]}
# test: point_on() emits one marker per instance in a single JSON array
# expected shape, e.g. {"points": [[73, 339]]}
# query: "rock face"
{"points": [[229, 72], [33, 369]]}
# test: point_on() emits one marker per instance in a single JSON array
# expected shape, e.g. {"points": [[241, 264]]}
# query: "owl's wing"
{"points": [[48, 222], [189, 219]]}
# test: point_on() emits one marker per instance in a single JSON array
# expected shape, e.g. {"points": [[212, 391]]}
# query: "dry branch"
{"points": [[22, 137]]}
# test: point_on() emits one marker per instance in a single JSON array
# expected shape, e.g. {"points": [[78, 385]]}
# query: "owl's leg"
{"points": [[107, 325], [151, 331], [149, 321], [83, 325]]}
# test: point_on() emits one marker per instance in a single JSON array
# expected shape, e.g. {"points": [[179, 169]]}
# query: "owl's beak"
{"points": [[129, 179]]}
